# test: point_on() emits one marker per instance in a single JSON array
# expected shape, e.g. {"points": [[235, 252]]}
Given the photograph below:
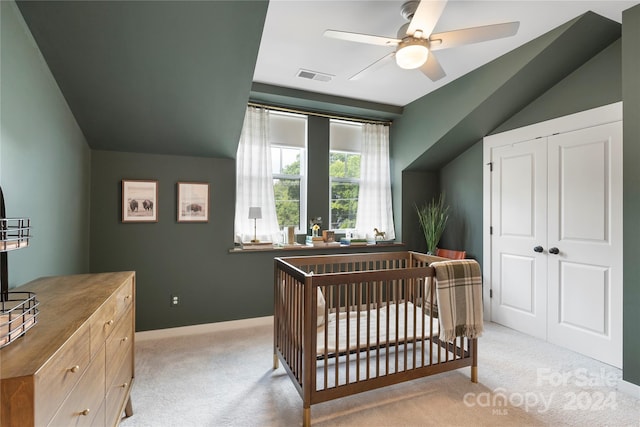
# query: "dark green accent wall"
{"points": [[461, 181], [598, 82], [631, 194], [44, 159], [417, 189], [185, 259], [318, 166], [190, 260]]}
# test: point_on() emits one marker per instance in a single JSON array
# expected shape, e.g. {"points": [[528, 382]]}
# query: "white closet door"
{"points": [[518, 213], [585, 226]]}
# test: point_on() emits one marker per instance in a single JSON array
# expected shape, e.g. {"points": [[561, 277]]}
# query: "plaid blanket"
{"points": [[459, 296]]}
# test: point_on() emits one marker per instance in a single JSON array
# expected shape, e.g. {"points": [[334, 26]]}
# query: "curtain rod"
{"points": [[313, 113]]}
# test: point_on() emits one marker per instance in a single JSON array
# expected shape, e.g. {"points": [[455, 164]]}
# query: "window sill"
{"points": [[324, 247]]}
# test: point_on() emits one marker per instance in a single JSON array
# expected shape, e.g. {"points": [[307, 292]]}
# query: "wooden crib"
{"points": [[344, 324]]}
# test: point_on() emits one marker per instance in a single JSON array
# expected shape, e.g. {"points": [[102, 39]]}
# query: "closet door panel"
{"points": [[519, 206], [585, 225]]}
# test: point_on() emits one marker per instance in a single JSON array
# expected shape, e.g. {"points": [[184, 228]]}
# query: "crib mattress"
{"points": [[385, 326]]}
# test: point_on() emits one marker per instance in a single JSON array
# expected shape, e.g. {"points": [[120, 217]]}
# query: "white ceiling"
{"points": [[292, 40]]}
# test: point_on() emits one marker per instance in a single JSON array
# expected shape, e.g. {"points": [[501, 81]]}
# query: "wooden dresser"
{"points": [[76, 366]]}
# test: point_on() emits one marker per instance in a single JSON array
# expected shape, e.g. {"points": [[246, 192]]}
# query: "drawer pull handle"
{"points": [[109, 323], [74, 369], [85, 412], [124, 385], [125, 339], [127, 297]]}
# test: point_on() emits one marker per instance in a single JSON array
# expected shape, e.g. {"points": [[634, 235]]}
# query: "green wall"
{"points": [[418, 187], [191, 260], [596, 83], [44, 159], [631, 193], [318, 166], [462, 184]]}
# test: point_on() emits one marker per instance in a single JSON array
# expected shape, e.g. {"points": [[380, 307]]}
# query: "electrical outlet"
{"points": [[175, 300]]}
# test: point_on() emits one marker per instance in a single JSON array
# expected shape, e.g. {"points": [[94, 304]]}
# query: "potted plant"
{"points": [[433, 218]]}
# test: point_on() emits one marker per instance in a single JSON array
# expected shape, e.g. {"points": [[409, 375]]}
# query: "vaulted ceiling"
{"points": [[174, 77], [168, 77]]}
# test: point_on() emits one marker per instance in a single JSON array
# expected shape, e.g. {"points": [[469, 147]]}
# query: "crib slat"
{"points": [[358, 326], [348, 337]]}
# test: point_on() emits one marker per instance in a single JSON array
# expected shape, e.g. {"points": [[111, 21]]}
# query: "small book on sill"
{"points": [[256, 245], [358, 242], [322, 244]]}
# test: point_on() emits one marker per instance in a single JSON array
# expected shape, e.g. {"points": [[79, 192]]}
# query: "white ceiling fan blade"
{"points": [[456, 38], [426, 17], [371, 68], [432, 68], [361, 38]]}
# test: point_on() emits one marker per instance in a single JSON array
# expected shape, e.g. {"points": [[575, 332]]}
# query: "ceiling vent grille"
{"points": [[314, 75]]}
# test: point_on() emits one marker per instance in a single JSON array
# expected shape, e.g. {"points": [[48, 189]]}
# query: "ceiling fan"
{"points": [[415, 40]]}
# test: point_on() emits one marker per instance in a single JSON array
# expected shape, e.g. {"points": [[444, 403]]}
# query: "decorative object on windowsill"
{"points": [[315, 224], [433, 218], [379, 235], [18, 310], [328, 236], [291, 235], [255, 213]]}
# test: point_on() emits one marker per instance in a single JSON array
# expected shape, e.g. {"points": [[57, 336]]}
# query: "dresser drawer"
{"points": [[85, 405], [119, 345], [124, 298], [61, 373], [101, 324], [119, 388]]}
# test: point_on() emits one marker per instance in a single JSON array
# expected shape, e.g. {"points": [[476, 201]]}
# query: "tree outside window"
{"points": [[287, 179], [344, 175]]}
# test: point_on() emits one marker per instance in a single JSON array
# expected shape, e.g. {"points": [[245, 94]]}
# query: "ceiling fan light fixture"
{"points": [[412, 53]]}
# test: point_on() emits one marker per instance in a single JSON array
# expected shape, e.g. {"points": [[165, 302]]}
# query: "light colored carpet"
{"points": [[226, 378]]}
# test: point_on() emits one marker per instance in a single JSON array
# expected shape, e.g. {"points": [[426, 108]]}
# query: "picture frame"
{"points": [[139, 200], [193, 202]]}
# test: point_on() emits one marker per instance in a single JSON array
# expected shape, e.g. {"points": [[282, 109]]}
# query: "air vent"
{"points": [[314, 75]]}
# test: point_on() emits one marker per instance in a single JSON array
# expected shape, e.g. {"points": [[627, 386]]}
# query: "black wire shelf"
{"points": [[18, 310]]}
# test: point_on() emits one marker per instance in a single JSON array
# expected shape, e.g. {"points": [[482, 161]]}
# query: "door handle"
{"points": [[538, 249], [554, 251]]}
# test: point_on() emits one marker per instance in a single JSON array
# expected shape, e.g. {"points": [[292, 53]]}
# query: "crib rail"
{"points": [[344, 324]]}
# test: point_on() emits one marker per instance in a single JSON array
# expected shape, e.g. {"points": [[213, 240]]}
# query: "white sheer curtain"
{"points": [[374, 199], [254, 180]]}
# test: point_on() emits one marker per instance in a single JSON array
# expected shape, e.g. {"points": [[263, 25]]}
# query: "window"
{"points": [[288, 135], [344, 173]]}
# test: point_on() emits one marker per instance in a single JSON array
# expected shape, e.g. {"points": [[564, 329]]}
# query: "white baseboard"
{"points": [[204, 328], [629, 388]]}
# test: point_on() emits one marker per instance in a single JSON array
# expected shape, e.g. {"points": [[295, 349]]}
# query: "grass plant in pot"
{"points": [[433, 218]]}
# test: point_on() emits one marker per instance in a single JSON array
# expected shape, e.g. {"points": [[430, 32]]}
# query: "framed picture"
{"points": [[193, 202], [139, 200]]}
